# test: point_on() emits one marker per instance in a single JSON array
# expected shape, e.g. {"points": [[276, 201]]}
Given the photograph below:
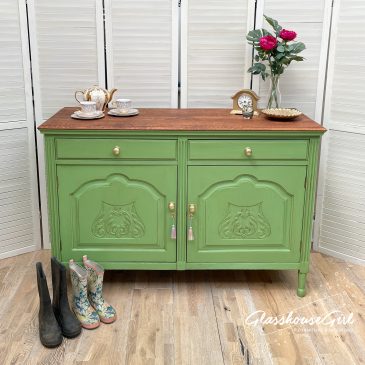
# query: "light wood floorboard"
{"points": [[194, 317]]}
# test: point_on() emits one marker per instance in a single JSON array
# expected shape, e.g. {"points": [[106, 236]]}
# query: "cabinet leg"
{"points": [[301, 283]]}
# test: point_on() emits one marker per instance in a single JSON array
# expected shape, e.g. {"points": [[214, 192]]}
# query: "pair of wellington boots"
{"points": [[55, 319], [88, 302]]}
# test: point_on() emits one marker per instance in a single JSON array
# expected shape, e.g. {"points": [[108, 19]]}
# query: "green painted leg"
{"points": [[301, 283]]}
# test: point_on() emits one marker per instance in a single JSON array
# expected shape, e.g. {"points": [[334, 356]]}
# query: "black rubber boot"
{"points": [[67, 321], [49, 330]]}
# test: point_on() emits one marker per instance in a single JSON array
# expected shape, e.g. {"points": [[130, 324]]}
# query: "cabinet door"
{"points": [[246, 213], [116, 213]]}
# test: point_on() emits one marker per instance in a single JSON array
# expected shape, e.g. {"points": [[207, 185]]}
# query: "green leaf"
{"points": [[298, 47], [274, 23], [264, 75], [254, 35], [266, 32], [280, 48], [257, 58], [253, 71], [279, 56], [261, 66], [257, 68], [297, 58]]}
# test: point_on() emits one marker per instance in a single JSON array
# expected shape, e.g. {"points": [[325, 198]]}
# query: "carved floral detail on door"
{"points": [[244, 222], [118, 221]]}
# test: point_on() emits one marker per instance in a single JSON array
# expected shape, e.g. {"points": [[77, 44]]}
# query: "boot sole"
{"points": [[90, 326], [108, 320], [71, 335], [87, 326], [51, 345]]}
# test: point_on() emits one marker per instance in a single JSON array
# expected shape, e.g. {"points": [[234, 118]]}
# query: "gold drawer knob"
{"points": [[116, 151], [248, 151]]}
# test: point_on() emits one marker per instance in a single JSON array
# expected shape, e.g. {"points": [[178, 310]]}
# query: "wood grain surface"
{"points": [[179, 120], [193, 317]]}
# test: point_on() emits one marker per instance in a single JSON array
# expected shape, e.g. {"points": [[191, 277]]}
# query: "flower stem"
{"points": [[273, 100]]}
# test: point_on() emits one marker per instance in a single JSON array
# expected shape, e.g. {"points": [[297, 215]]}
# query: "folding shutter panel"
{"points": [[215, 55], [142, 50], [298, 85], [66, 51], [67, 45], [341, 202], [19, 213], [12, 101]]}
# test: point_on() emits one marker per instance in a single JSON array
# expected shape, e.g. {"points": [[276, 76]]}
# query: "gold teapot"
{"points": [[101, 96]]}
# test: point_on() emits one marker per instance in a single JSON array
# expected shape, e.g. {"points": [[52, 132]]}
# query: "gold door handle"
{"points": [[116, 151], [172, 207], [191, 210], [248, 151], [172, 210]]}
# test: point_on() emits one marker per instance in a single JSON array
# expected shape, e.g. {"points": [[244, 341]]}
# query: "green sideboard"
{"points": [[243, 188]]}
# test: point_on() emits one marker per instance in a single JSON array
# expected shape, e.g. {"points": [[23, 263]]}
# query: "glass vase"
{"points": [[274, 93]]}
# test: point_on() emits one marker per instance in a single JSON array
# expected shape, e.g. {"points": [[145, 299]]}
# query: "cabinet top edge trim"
{"points": [[182, 134], [178, 121]]}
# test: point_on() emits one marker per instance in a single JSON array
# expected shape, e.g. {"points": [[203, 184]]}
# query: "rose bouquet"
{"points": [[275, 52]]}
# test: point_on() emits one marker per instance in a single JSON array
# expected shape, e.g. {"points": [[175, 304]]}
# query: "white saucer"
{"points": [[116, 113], [80, 115]]}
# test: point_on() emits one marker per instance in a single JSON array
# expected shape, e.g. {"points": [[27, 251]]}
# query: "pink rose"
{"points": [[287, 35], [268, 42]]}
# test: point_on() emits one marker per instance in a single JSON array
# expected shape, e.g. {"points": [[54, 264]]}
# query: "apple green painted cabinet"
{"points": [[246, 213], [182, 189], [117, 211]]}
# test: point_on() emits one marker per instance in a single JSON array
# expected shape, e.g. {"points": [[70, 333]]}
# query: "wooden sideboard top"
{"points": [[178, 120]]}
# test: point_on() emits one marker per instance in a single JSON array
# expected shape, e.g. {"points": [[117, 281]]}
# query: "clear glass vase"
{"points": [[274, 93]]}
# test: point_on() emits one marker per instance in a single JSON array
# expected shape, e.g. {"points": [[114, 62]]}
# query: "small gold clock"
{"points": [[244, 101]]}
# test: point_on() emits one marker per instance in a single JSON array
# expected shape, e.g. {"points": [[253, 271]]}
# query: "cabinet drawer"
{"points": [[116, 148], [247, 150]]}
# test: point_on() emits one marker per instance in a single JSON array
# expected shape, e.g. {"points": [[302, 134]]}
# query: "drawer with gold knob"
{"points": [[247, 150], [115, 148]]}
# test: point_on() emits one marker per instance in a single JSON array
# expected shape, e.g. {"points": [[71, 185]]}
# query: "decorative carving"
{"points": [[116, 217], [244, 222], [116, 221]]}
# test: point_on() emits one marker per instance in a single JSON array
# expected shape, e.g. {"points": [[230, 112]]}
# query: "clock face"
{"points": [[245, 101]]}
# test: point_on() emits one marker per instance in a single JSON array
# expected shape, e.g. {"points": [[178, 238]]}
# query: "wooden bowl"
{"points": [[281, 113]]}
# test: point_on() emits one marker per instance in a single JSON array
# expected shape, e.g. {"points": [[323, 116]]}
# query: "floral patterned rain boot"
{"points": [[84, 312], [95, 277]]}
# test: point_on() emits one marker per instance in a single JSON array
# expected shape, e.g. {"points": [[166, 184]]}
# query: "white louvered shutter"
{"points": [[215, 55], [19, 210], [298, 84], [67, 44], [341, 202], [67, 51], [142, 51]]}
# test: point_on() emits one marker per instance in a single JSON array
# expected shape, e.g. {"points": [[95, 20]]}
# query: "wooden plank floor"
{"points": [[197, 317]]}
